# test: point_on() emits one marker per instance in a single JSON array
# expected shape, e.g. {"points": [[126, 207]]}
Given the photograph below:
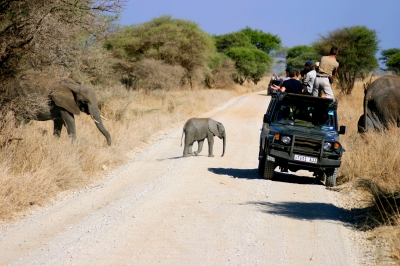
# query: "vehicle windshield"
{"points": [[306, 115]]}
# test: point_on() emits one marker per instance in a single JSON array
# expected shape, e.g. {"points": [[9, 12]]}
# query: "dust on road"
{"points": [[163, 209]]}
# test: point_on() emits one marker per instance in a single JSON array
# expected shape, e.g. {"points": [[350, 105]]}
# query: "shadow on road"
{"points": [[237, 173], [299, 210], [306, 211], [253, 174]]}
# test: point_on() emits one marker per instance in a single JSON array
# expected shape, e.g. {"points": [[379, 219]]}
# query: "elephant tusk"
{"points": [[94, 119], [103, 117]]}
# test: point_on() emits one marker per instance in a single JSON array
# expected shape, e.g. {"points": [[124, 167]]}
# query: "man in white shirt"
{"points": [[309, 78]]}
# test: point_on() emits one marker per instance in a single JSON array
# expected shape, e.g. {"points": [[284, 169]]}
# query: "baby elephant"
{"points": [[197, 129]]}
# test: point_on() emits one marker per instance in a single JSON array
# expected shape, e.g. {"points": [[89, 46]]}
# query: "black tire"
{"points": [[269, 169], [261, 166], [331, 175]]}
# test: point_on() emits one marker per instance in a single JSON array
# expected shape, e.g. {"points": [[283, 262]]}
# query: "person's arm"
{"points": [[277, 88]]}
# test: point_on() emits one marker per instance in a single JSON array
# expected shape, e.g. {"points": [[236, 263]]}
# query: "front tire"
{"points": [[269, 169], [331, 175]]}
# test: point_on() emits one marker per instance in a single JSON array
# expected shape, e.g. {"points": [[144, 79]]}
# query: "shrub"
{"points": [[151, 74]]}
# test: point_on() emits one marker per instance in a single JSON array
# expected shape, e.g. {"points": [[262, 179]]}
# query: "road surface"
{"points": [[163, 209]]}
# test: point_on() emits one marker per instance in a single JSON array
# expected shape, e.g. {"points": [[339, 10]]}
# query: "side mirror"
{"points": [[267, 118], [342, 130]]}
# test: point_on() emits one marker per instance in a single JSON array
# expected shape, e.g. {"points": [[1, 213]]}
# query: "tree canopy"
{"points": [[297, 56], [251, 64], [172, 41], [45, 34], [391, 58], [357, 48], [265, 42], [250, 50]]}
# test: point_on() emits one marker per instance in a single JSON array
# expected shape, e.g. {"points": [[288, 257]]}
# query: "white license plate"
{"points": [[305, 159]]}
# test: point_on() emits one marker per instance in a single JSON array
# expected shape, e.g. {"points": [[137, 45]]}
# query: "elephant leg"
{"points": [[210, 139], [58, 124], [200, 143], [187, 149], [190, 150], [69, 122]]}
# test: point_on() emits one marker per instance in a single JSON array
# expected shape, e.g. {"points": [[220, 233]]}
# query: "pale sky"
{"points": [[295, 22]]}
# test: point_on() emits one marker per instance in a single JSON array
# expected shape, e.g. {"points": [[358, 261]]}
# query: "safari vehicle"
{"points": [[300, 132]]}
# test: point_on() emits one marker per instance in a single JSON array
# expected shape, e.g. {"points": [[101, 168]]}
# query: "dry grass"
{"points": [[34, 170], [372, 164]]}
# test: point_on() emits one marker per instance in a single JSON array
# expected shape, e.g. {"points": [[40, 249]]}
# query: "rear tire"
{"points": [[269, 169], [331, 175]]}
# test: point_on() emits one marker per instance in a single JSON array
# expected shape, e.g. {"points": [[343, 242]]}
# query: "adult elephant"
{"points": [[381, 104], [68, 98], [198, 129]]}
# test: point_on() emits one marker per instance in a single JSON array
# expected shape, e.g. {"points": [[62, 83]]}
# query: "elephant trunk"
{"points": [[224, 145], [99, 123]]}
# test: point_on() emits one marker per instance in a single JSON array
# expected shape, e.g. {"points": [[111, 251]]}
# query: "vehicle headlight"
{"points": [[327, 146], [286, 139]]}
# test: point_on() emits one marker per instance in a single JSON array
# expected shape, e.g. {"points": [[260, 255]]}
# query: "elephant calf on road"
{"points": [[381, 104], [69, 98], [198, 129]]}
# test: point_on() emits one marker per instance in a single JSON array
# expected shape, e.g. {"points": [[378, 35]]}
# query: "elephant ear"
{"points": [[63, 97], [213, 127]]}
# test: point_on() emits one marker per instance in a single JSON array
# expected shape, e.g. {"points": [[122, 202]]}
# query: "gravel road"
{"points": [[163, 209]]}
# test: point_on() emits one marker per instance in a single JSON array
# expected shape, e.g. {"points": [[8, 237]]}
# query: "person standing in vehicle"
{"points": [[327, 67], [309, 78]]}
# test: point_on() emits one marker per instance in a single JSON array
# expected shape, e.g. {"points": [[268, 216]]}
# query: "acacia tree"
{"points": [[265, 42], [40, 34], [251, 64], [357, 48], [298, 55], [391, 58], [170, 41], [249, 49]]}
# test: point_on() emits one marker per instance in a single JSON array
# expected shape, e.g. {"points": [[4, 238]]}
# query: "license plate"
{"points": [[305, 159]]}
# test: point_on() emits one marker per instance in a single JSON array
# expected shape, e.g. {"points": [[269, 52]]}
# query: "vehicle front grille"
{"points": [[306, 146]]}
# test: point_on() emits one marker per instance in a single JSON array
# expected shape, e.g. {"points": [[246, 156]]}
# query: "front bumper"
{"points": [[282, 156]]}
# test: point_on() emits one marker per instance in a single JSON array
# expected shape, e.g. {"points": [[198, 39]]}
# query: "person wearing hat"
{"points": [[309, 77], [328, 67], [316, 67]]}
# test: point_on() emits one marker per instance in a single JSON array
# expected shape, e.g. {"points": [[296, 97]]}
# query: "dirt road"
{"points": [[162, 209]]}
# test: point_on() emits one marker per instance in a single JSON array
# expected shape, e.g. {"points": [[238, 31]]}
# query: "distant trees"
{"points": [[250, 50], [357, 48], [298, 55], [391, 59]]}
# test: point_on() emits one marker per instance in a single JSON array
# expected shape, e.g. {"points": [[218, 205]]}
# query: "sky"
{"points": [[296, 22]]}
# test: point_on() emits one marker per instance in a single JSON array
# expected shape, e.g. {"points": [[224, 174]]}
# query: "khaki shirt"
{"points": [[327, 66]]}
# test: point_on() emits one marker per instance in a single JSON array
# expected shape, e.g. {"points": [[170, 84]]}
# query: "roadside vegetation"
{"points": [[371, 169]]}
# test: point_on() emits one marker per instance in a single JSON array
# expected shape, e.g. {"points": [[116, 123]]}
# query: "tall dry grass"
{"points": [[372, 164], [35, 166]]}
